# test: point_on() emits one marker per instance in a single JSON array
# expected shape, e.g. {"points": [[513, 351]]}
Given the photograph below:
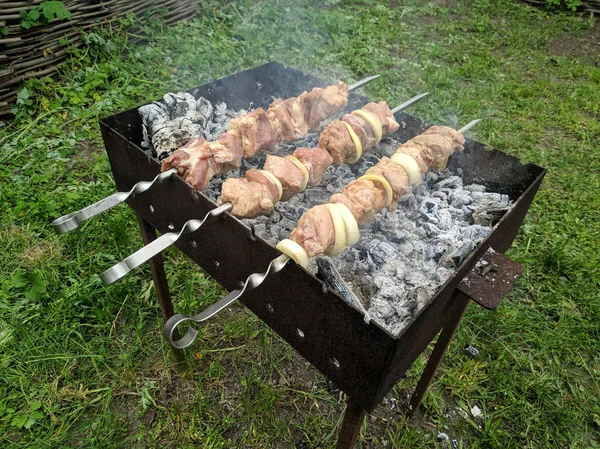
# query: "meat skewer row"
{"points": [[343, 141], [339, 223], [199, 161], [256, 194], [329, 228]]}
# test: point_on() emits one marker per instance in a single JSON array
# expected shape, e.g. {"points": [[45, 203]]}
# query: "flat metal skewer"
{"points": [[468, 126], [146, 253], [70, 222], [407, 103], [121, 269], [362, 82], [253, 281]]}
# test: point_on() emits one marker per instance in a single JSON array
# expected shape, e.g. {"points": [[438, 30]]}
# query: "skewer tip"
{"points": [[469, 125], [407, 103], [362, 82]]}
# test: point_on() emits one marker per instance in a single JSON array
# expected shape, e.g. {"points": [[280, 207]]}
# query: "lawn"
{"points": [[84, 365]]}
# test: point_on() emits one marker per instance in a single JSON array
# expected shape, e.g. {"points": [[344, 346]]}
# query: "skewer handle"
{"points": [[146, 253], [253, 281], [70, 222]]}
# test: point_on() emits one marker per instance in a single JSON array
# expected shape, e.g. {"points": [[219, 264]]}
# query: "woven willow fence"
{"points": [[37, 51]]}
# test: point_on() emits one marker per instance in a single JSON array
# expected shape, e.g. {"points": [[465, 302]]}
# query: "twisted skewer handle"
{"points": [[253, 281], [70, 222], [146, 253]]}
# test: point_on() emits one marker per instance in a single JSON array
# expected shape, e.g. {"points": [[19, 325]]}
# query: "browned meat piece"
{"points": [[457, 138], [395, 175], [337, 141], [194, 163], [249, 199], [279, 113], [381, 110], [421, 154], [290, 176], [316, 160], [297, 110], [315, 231], [322, 104], [227, 151], [441, 148], [367, 196], [246, 125], [254, 175], [362, 129]]}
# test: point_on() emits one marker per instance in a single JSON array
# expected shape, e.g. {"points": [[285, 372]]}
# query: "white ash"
{"points": [[180, 117], [404, 256]]}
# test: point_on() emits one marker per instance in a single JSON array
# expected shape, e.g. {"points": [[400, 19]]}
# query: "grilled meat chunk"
{"points": [[421, 154], [279, 113], [194, 163], [248, 198], [290, 176], [364, 132], [381, 110], [366, 199], [395, 175], [337, 141], [324, 103], [458, 140], [316, 160], [315, 232], [441, 148]]}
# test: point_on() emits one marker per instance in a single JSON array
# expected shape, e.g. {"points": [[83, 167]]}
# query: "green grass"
{"points": [[85, 365]]}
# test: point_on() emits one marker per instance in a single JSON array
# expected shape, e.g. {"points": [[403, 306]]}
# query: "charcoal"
{"points": [[403, 256], [442, 437], [452, 182], [472, 351]]}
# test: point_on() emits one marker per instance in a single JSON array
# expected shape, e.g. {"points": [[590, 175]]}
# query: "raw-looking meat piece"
{"points": [[337, 141], [316, 160], [315, 232], [381, 110], [458, 140], [367, 196], [290, 176], [321, 104], [230, 153], [194, 163], [421, 154], [297, 110], [279, 113], [395, 175], [249, 199], [362, 129], [254, 175], [441, 148]]}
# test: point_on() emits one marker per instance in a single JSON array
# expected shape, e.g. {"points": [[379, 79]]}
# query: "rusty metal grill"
{"points": [[363, 359]]}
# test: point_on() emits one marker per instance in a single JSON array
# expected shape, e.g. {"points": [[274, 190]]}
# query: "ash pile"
{"points": [[404, 256]]}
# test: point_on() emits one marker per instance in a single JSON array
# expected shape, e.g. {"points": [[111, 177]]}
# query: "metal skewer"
{"points": [[407, 103], [70, 222], [146, 253], [253, 281], [121, 269]]}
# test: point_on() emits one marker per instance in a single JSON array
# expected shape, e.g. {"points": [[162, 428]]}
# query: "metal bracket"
{"points": [[491, 279]]}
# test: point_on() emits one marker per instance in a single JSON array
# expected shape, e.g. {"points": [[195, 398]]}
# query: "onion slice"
{"points": [[389, 193], [357, 144], [352, 232], [339, 230], [294, 251], [301, 166], [409, 164], [275, 181], [373, 121]]}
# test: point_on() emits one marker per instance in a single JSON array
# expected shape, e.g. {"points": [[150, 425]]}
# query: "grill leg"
{"points": [[353, 419], [160, 279], [461, 301]]}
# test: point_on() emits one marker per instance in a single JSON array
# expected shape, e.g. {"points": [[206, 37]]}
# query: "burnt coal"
{"points": [[402, 257]]}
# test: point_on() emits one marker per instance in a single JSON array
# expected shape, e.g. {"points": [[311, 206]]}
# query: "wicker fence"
{"points": [[37, 51]]}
